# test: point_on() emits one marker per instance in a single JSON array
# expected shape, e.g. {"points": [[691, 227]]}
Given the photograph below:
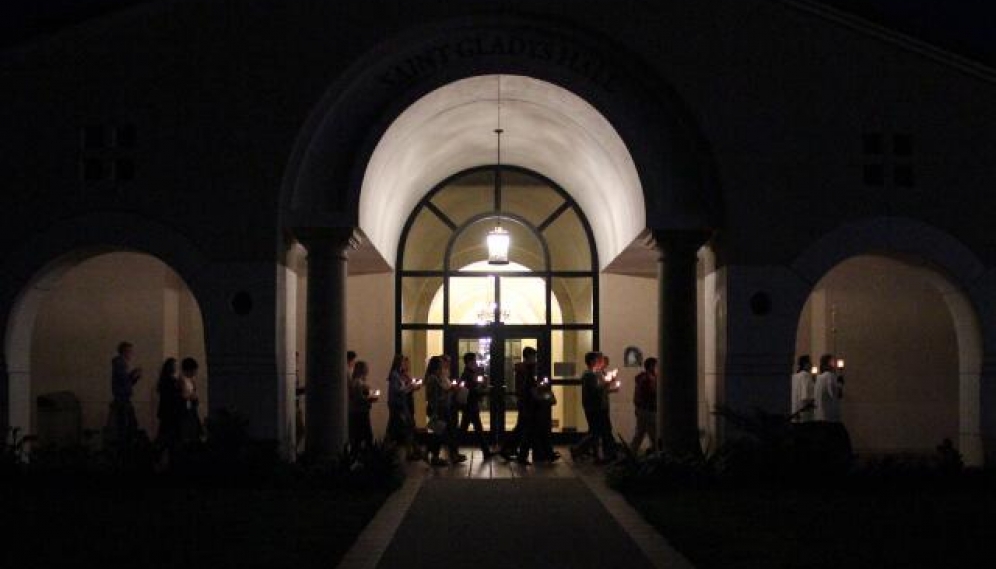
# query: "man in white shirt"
{"points": [[829, 390], [803, 391]]}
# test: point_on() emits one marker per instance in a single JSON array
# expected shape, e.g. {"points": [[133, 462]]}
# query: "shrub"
{"points": [[657, 469], [13, 452], [373, 467]]}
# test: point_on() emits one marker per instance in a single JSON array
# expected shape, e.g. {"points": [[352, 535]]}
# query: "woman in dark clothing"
{"points": [[438, 400], [168, 409], [360, 401], [401, 418], [190, 428]]}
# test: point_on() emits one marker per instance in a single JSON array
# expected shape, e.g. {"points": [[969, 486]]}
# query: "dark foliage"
{"points": [[769, 449], [227, 457]]}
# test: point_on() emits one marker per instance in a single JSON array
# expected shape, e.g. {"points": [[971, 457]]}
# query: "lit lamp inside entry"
{"points": [[498, 238], [498, 242]]}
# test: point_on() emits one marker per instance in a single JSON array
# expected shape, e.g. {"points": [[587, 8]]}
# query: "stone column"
{"points": [[325, 393], [677, 385]]}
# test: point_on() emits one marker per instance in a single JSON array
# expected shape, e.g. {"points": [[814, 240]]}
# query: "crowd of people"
{"points": [[817, 392], [177, 407], [454, 405]]}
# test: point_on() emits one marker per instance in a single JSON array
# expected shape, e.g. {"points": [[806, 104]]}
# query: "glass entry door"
{"points": [[498, 349]]}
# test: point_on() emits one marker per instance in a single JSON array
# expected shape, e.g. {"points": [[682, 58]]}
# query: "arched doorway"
{"points": [[66, 324], [450, 299], [912, 346], [585, 115]]}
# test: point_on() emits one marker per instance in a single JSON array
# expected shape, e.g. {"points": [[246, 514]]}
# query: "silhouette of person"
{"points": [[828, 391], [361, 399], [474, 381], [645, 405], [168, 409], [191, 429], [803, 390], [122, 421]]}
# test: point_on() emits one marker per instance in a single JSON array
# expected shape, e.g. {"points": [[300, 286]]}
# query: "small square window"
{"points": [[92, 169], [874, 174], [872, 143], [903, 175], [902, 144], [125, 136], [93, 137], [124, 169]]}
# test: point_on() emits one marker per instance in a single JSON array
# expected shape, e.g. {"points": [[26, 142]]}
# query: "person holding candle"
{"points": [[543, 401], [803, 391], [438, 391], [360, 400], [525, 390], [593, 392], [828, 390], [457, 395], [476, 386], [612, 386], [401, 416], [645, 404]]}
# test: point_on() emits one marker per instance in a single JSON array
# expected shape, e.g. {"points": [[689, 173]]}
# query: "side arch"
{"points": [[31, 272], [953, 270]]}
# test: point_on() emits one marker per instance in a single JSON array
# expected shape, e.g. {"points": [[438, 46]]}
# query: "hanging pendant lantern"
{"points": [[498, 242]]}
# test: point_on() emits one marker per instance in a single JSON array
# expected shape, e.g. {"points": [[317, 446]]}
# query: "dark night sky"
{"points": [[967, 27]]}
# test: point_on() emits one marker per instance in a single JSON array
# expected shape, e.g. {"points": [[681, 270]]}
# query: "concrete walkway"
{"points": [[492, 513]]}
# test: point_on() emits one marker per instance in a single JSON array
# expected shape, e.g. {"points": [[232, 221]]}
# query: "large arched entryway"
{"points": [[601, 127]]}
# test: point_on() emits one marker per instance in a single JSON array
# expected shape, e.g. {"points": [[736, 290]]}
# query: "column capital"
{"points": [[677, 241], [328, 241]]}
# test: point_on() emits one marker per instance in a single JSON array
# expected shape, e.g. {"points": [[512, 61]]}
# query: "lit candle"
{"points": [[814, 370], [461, 384], [377, 393], [480, 379], [840, 364], [617, 384]]}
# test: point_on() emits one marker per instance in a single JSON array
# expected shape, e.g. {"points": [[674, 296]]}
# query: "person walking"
{"points": [[543, 401], [475, 382], [168, 408], [610, 387], [401, 419], [361, 399], [592, 387], [803, 391], [350, 363], [521, 439], [439, 409], [190, 428], [122, 422], [828, 391], [645, 405]]}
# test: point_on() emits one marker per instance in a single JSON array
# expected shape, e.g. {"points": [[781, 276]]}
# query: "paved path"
{"points": [[495, 514]]}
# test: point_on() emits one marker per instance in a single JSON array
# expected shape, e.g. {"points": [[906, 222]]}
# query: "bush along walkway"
{"points": [[794, 496], [225, 502]]}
